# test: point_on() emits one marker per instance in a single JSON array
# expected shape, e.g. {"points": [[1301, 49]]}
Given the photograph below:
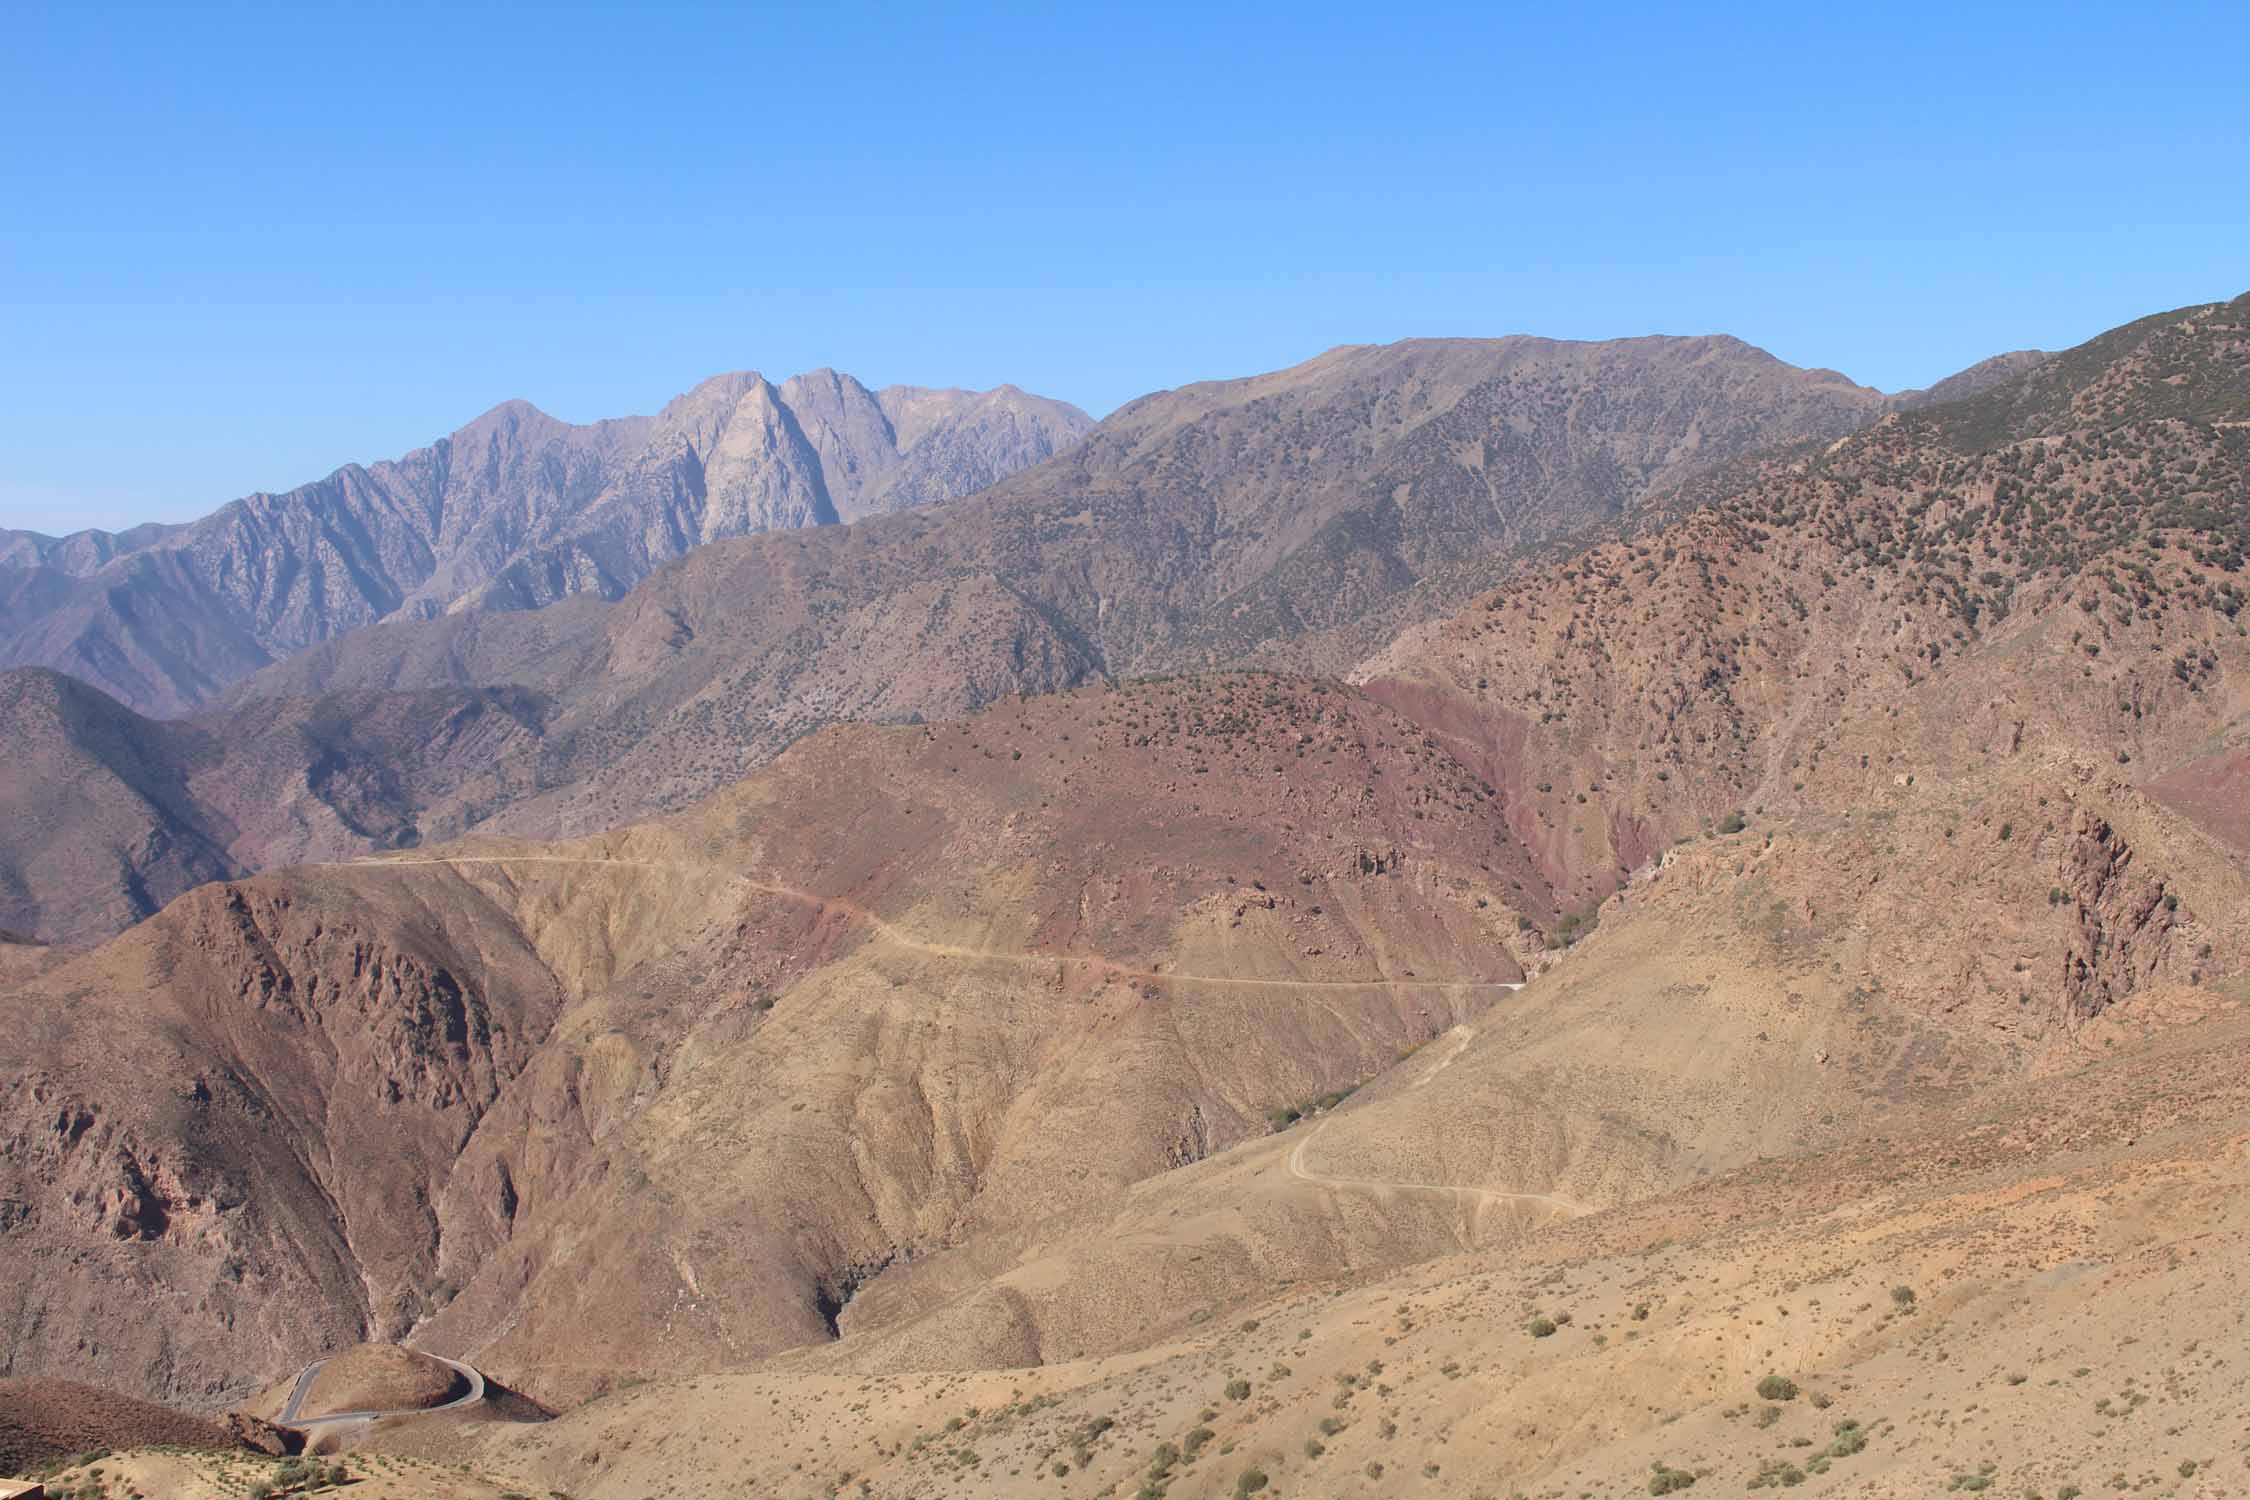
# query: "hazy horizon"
{"points": [[290, 242]]}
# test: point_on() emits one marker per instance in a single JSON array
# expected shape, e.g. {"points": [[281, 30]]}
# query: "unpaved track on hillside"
{"points": [[1296, 1168], [892, 936], [1461, 1036]]}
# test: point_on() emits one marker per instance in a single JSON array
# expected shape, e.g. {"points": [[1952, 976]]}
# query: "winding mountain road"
{"points": [[309, 1373]]}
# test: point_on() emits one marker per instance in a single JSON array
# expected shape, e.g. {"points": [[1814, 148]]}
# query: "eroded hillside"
{"points": [[674, 1093], [1128, 1089]]}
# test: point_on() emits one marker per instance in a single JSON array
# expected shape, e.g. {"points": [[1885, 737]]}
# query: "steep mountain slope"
{"points": [[1183, 511], [105, 815], [1265, 507], [515, 509], [2041, 582], [1870, 837], [904, 989], [1906, 1070], [1195, 523], [98, 827]]}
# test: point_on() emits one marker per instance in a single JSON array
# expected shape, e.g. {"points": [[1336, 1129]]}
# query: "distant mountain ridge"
{"points": [[1196, 527], [1192, 528], [514, 510], [1897, 775]]}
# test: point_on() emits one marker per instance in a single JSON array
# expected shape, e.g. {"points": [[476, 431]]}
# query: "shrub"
{"points": [[1540, 1328], [1778, 1474], [1777, 1388], [1250, 1482], [1731, 823], [1662, 1480], [1238, 1390], [1903, 1295]]}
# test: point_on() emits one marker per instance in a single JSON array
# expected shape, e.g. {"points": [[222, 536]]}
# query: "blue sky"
{"points": [[240, 246]]}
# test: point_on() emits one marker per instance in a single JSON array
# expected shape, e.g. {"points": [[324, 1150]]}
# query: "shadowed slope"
{"points": [[105, 815]]}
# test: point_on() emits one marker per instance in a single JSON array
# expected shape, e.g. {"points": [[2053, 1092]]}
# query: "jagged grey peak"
{"points": [[514, 510]]}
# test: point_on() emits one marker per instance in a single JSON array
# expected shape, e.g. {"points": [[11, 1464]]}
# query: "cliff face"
{"points": [[2124, 920], [514, 510], [261, 1142]]}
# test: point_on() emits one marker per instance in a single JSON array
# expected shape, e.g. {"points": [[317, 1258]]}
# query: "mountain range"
{"points": [[1280, 518], [514, 510], [1749, 993]]}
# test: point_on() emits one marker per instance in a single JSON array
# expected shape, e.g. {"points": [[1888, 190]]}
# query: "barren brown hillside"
{"points": [[105, 815], [2025, 1290], [1366, 487], [905, 988], [1128, 1090], [1994, 650], [1192, 526], [380, 1377], [43, 1420]]}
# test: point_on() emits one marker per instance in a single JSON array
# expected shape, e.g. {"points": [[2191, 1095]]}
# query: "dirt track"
{"points": [[894, 937], [1297, 1169]]}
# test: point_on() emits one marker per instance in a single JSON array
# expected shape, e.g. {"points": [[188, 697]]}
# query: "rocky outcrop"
{"points": [[261, 1436], [250, 1162], [2122, 919]]}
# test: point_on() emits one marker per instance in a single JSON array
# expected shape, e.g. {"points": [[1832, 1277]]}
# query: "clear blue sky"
{"points": [[239, 247]]}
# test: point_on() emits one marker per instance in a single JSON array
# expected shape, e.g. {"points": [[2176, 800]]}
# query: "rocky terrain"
{"points": [[106, 815], [1415, 468], [543, 1048], [514, 510], [1126, 1089]]}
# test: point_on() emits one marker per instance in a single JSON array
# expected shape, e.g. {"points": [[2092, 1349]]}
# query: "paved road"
{"points": [[305, 1377]]}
